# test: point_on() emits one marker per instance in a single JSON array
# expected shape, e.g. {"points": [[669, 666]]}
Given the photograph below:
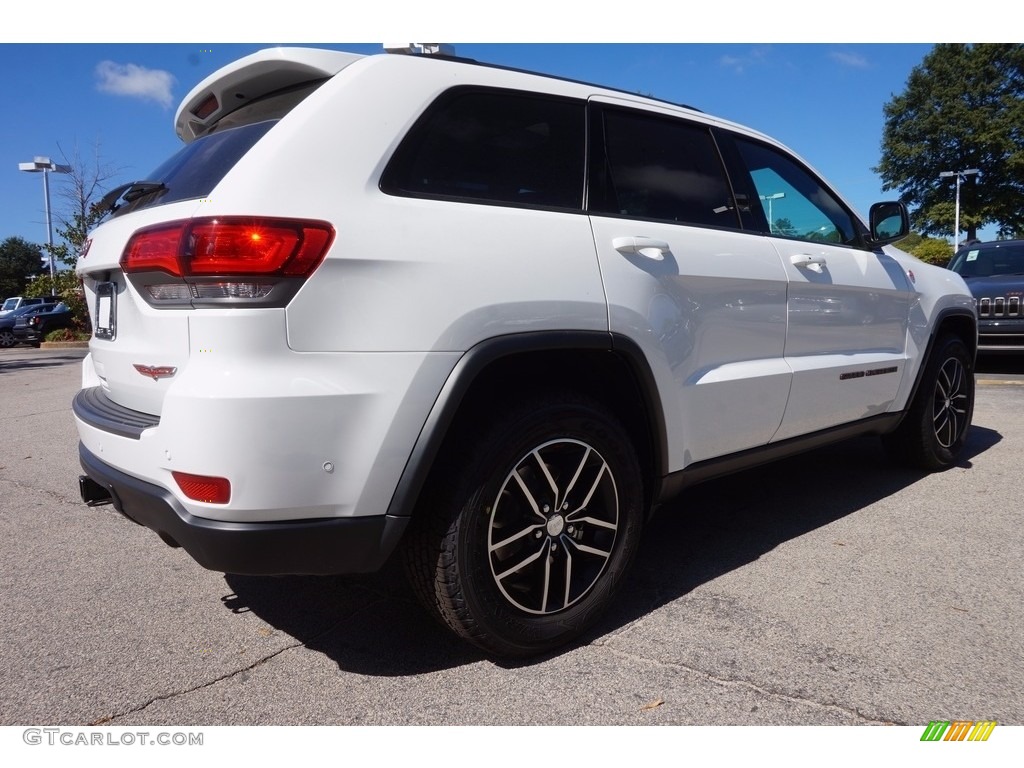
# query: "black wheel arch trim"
{"points": [[941, 317], [459, 382]]}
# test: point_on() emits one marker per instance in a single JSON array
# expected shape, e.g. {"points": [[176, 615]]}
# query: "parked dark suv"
{"points": [[995, 274], [7, 337], [32, 328]]}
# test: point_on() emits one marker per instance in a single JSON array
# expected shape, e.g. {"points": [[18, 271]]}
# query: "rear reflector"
{"points": [[233, 246], [211, 490]]}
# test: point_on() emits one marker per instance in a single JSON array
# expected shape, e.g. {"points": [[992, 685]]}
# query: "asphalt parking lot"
{"points": [[829, 589]]}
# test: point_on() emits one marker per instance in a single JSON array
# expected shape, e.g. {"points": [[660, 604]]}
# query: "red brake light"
{"points": [[232, 245], [152, 249], [212, 490], [257, 248], [206, 107]]}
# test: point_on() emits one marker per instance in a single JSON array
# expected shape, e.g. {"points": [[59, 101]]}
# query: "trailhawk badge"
{"points": [[156, 372]]}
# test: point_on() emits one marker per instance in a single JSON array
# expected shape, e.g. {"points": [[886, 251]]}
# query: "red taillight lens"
{"points": [[236, 246], [212, 490], [258, 248], [154, 249]]}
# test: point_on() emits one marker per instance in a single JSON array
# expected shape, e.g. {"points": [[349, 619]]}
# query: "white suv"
{"points": [[490, 319]]}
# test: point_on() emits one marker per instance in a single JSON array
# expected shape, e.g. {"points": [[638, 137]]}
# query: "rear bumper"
{"points": [[27, 334], [316, 547]]}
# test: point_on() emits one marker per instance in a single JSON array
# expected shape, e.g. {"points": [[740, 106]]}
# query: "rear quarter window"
{"points": [[494, 146]]}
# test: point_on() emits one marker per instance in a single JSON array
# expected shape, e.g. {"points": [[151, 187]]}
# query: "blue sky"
{"points": [[823, 100]]}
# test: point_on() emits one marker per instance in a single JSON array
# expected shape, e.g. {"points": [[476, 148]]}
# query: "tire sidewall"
{"points": [[950, 349]]}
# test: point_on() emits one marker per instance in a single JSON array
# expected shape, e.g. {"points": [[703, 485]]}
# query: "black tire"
{"points": [[523, 536], [932, 434], [7, 338]]}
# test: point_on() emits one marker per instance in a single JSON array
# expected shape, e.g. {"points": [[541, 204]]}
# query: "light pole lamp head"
{"points": [[41, 163]]}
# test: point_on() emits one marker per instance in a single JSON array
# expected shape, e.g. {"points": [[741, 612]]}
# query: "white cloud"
{"points": [[754, 57], [135, 81], [849, 59], [732, 62]]}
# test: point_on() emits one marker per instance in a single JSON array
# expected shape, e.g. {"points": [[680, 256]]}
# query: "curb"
{"points": [[64, 345]]}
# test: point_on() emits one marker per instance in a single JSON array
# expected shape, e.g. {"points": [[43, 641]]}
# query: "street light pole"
{"points": [[770, 198], [959, 179], [46, 166]]}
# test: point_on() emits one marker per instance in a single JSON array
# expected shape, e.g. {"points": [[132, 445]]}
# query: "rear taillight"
{"points": [[225, 260]]}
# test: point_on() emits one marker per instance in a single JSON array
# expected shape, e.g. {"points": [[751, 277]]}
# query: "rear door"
{"points": [[705, 300]]}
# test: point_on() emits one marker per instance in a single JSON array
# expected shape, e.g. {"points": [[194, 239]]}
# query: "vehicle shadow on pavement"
{"points": [[725, 524], [30, 364], [372, 624], [996, 364], [368, 624]]}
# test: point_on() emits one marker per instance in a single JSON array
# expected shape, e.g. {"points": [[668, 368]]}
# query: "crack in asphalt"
{"points": [[66, 500], [750, 685], [110, 719]]}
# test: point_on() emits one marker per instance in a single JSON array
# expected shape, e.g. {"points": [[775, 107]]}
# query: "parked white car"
{"points": [[17, 302], [489, 319]]}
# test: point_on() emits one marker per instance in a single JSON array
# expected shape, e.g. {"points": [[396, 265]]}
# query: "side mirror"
{"points": [[889, 222]]}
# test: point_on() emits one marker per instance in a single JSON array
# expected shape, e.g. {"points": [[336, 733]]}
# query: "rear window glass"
{"points": [[495, 146], [198, 167], [195, 170]]}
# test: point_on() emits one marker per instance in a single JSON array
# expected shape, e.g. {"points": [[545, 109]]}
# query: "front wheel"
{"points": [[934, 431], [7, 338], [525, 535]]}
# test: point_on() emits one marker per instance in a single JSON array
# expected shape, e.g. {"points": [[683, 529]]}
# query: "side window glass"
{"points": [[655, 167], [495, 146], [794, 202]]}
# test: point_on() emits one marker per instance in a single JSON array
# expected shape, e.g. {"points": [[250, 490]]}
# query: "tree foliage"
{"points": [[963, 108], [20, 260], [932, 251]]}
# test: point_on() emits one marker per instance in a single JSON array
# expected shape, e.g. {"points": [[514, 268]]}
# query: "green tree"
{"points": [[784, 226], [963, 107], [932, 250], [20, 260], [67, 288]]}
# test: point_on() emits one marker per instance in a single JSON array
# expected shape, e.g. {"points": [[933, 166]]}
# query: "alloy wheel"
{"points": [[553, 526]]}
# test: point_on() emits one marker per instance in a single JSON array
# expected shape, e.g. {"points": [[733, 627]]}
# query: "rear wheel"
{"points": [[934, 431], [522, 540]]}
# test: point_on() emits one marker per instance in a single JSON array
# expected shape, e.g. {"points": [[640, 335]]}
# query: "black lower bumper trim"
{"points": [[96, 409], [297, 547]]}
